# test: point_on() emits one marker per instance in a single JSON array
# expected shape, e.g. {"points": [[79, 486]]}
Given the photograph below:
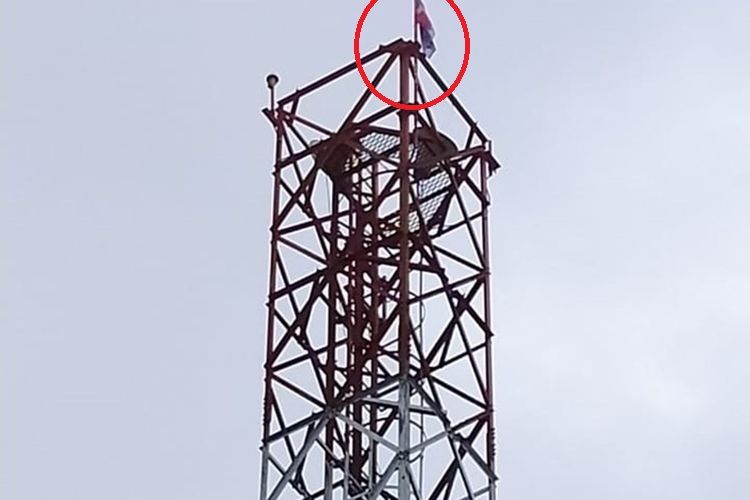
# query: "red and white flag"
{"points": [[426, 31]]}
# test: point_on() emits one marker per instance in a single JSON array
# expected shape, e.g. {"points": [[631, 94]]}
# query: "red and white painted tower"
{"points": [[379, 343]]}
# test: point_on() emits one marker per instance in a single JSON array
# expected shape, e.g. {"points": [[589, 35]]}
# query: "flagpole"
{"points": [[414, 20], [414, 39]]}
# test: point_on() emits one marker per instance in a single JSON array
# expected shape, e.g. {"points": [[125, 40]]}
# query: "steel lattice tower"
{"points": [[378, 374]]}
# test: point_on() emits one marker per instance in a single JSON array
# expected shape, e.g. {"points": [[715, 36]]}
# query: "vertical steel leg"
{"points": [[404, 418]]}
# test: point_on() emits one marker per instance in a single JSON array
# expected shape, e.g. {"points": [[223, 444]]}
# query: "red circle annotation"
{"points": [[406, 106]]}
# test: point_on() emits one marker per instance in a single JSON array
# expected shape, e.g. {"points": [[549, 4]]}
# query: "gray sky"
{"points": [[135, 202]]}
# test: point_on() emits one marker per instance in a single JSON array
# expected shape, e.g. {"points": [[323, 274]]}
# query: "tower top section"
{"points": [[324, 107]]}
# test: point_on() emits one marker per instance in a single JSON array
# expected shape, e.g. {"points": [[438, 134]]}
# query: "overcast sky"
{"points": [[135, 202]]}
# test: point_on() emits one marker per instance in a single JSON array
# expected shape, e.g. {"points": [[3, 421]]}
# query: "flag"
{"points": [[426, 31]]}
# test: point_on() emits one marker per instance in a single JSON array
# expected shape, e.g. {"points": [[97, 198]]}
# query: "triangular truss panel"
{"points": [[378, 353]]}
